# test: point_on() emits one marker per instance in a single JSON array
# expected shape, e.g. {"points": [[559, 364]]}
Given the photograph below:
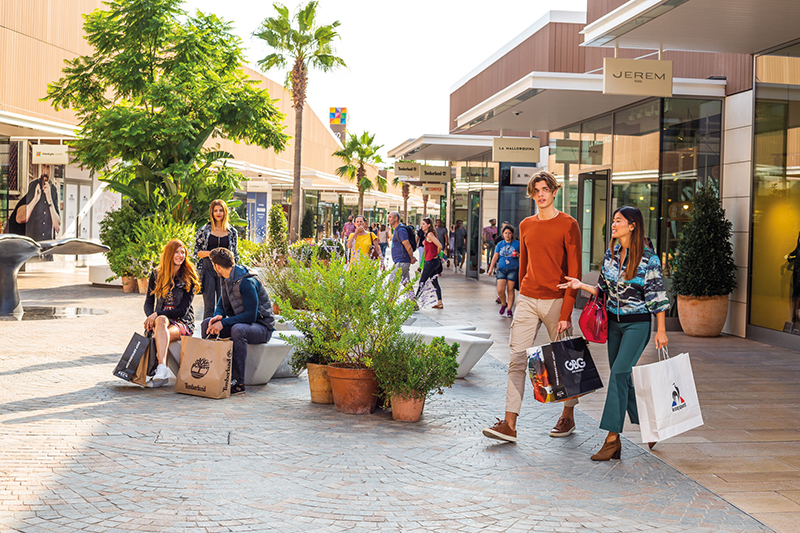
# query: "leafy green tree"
{"points": [[278, 231], [357, 153], [156, 88], [307, 227], [305, 44]]}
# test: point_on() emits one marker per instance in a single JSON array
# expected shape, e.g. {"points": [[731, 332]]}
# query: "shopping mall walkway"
{"points": [[83, 451]]}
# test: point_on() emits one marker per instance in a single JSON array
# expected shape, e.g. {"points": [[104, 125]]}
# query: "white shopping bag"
{"points": [[666, 398]]}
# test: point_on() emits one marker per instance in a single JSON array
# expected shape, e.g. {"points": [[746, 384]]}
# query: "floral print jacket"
{"points": [[201, 244]]}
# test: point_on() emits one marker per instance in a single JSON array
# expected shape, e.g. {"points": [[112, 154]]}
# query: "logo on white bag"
{"points": [[678, 402], [575, 365]]}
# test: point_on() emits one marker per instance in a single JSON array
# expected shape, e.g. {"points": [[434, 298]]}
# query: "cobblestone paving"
{"points": [[83, 451]]}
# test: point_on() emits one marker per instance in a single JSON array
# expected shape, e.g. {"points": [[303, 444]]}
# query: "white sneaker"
{"points": [[161, 377]]}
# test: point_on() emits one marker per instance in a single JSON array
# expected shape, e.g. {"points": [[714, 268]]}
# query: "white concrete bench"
{"points": [[471, 344], [262, 359]]}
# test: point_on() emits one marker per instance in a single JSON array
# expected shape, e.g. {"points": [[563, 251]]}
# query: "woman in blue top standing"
{"points": [[631, 280], [506, 260]]}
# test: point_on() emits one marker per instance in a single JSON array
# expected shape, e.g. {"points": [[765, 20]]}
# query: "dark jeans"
{"points": [[241, 335], [211, 289], [428, 271]]}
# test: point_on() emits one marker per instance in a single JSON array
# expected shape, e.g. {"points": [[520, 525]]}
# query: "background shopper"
{"points": [[506, 260], [216, 234], [433, 264]]}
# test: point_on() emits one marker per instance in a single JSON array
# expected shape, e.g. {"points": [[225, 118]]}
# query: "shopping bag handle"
{"points": [[563, 335], [663, 353]]}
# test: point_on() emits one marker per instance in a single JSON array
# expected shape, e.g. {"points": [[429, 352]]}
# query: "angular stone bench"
{"points": [[472, 345], [262, 359]]}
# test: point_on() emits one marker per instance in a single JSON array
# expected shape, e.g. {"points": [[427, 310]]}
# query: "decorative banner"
{"points": [[637, 77], [433, 189], [515, 149], [339, 116], [330, 197], [477, 174], [434, 174], [522, 175], [53, 154], [350, 199], [406, 169]]}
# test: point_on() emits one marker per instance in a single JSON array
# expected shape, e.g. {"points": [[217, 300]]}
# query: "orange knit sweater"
{"points": [[549, 250]]}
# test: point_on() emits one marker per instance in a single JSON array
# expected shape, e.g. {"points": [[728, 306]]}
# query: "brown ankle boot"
{"points": [[610, 450]]}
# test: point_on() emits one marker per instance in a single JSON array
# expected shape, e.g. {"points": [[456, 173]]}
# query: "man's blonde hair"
{"points": [[546, 177]]}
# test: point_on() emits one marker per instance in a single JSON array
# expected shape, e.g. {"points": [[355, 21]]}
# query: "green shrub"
{"points": [[410, 368], [704, 257], [117, 231], [276, 280], [254, 254], [278, 231], [307, 226], [152, 234]]}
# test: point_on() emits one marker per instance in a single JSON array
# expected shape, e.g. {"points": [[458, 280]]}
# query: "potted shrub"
{"points": [[278, 230], [408, 371], [704, 272], [352, 311], [316, 365], [276, 280], [117, 232], [307, 226]]}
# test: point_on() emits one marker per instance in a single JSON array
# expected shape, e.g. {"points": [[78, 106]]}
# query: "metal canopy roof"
{"points": [[548, 101], [727, 26], [443, 148]]}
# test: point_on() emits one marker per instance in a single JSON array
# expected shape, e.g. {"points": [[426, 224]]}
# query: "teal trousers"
{"points": [[626, 342]]}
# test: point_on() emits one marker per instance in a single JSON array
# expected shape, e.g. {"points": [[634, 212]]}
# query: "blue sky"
{"points": [[403, 58]]}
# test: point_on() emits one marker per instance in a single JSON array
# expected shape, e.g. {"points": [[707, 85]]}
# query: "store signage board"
{"points": [[432, 189], [330, 197], [568, 151], [477, 174], [434, 174], [306, 183], [350, 199], [406, 169], [515, 149], [50, 154], [522, 175], [637, 77]]}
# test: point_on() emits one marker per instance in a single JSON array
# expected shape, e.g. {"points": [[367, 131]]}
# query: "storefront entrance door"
{"points": [[593, 220], [474, 235]]}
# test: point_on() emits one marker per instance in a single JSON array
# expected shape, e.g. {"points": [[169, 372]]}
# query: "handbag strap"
{"points": [[563, 335]]}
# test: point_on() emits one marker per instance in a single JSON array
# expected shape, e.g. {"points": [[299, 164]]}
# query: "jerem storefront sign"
{"points": [[515, 149], [637, 77], [52, 154]]}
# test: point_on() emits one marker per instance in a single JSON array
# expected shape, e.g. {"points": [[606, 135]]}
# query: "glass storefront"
{"points": [[775, 267]]}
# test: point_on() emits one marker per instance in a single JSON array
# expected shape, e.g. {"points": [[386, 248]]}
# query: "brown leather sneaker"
{"points": [[501, 431], [563, 427]]}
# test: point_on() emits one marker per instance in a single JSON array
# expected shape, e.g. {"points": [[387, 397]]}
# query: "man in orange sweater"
{"points": [[550, 249]]}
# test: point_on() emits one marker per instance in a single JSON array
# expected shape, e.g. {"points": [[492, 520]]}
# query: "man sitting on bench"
{"points": [[244, 312]]}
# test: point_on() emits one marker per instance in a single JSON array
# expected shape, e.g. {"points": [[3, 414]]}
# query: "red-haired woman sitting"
{"points": [[168, 304]]}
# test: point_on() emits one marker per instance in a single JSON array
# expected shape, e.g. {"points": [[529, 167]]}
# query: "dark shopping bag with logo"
{"points": [[139, 360], [562, 370], [666, 397], [205, 367]]}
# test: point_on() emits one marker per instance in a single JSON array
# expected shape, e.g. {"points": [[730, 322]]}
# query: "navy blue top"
{"points": [[249, 289], [399, 253]]}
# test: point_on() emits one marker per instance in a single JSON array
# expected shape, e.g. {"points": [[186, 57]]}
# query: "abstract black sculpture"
{"points": [[16, 249]]}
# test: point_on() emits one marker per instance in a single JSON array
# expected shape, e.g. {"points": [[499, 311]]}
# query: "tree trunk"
{"points": [[361, 202], [359, 178], [406, 193], [424, 206], [294, 226]]}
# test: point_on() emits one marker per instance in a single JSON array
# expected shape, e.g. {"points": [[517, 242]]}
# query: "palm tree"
{"points": [[306, 44], [406, 193], [358, 152]]}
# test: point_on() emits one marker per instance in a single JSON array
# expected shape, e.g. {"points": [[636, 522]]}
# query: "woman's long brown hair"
{"points": [[636, 249], [431, 228], [164, 278], [211, 207]]}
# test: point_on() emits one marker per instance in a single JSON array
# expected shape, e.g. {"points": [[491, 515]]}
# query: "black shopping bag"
{"points": [[139, 360], [568, 367]]}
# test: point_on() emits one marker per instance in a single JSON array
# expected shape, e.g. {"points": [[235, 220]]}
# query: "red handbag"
{"points": [[594, 319]]}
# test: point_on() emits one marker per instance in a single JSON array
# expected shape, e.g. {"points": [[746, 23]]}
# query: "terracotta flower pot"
{"points": [[407, 409], [355, 390], [141, 284], [702, 316], [319, 383], [275, 309], [128, 284]]}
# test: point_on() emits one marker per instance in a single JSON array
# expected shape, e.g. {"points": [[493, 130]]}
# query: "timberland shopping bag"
{"points": [[138, 361], [205, 367], [666, 397], [562, 370]]}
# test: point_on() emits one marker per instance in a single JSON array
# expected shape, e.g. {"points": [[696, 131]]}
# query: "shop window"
{"points": [[634, 175], [775, 273]]}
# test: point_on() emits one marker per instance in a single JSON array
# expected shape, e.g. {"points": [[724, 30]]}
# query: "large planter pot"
{"points": [[141, 284], [355, 390], [319, 383], [275, 309], [702, 316], [128, 284], [407, 409]]}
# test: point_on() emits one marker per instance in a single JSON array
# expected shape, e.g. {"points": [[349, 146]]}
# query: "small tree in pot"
{"points": [[705, 273], [408, 371]]}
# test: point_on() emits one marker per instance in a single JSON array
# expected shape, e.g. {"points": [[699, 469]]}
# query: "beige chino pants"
{"points": [[529, 316]]}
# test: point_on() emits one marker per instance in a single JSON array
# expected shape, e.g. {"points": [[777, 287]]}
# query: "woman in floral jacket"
{"points": [[216, 234]]}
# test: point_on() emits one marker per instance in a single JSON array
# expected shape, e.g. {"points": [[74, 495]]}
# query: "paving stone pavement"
{"points": [[84, 451]]}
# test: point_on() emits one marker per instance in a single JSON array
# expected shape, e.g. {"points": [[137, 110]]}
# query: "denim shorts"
{"points": [[511, 274]]}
